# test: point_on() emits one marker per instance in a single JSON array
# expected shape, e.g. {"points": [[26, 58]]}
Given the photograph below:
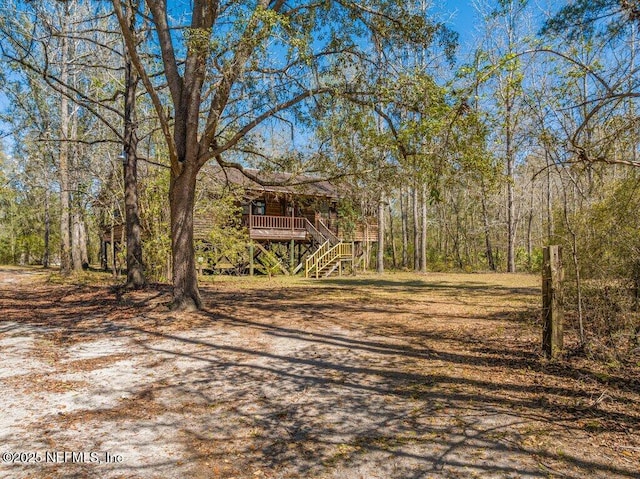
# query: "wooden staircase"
{"points": [[327, 258], [317, 236], [330, 254]]}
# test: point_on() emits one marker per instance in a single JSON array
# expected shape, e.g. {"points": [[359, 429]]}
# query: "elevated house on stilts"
{"points": [[292, 223]]}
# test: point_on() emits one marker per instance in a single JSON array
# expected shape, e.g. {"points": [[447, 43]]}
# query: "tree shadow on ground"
{"points": [[295, 386], [424, 286]]}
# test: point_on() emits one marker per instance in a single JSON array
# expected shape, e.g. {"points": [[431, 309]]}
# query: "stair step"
{"points": [[329, 272], [328, 257]]}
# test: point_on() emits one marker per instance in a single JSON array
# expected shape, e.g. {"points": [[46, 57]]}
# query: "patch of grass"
{"points": [[342, 453], [593, 426], [81, 278], [392, 442]]}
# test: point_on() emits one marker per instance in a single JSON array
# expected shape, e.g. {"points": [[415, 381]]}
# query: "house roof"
{"points": [[277, 182]]}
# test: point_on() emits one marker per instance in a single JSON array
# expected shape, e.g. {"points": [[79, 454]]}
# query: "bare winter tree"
{"points": [[76, 50]]}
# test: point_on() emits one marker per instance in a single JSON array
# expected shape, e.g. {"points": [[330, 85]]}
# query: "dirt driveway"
{"points": [[399, 376]]}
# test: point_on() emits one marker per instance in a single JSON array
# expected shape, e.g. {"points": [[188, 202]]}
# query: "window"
{"points": [[259, 207]]}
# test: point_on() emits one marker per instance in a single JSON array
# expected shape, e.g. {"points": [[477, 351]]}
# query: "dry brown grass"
{"points": [[400, 375]]}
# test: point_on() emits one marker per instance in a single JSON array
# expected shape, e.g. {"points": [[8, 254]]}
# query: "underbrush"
{"points": [[611, 319]]}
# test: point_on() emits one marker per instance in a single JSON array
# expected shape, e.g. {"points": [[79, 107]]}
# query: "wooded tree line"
{"points": [[470, 158]]}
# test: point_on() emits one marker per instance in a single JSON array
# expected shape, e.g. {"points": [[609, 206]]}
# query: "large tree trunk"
{"points": [[423, 241], [114, 271], [47, 229], [185, 280], [416, 230], [77, 221], [135, 268], [487, 233], [405, 228], [63, 167], [380, 257], [79, 252], [392, 239], [511, 208], [76, 259]]}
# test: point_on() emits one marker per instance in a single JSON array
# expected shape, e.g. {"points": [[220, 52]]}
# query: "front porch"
{"points": [[277, 228]]}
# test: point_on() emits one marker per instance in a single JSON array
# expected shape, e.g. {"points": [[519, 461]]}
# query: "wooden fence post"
{"points": [[552, 301]]}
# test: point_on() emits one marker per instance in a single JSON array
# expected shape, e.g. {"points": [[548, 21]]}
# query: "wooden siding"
{"points": [[117, 233], [275, 228], [366, 232], [202, 226], [274, 207]]}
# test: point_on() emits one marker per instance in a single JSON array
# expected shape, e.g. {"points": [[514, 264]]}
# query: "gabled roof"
{"points": [[277, 182]]}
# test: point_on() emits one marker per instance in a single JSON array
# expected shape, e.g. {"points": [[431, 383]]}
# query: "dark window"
{"points": [[259, 207]]}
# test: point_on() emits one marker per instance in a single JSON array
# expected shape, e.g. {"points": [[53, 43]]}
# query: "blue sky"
{"points": [[462, 18], [458, 14]]}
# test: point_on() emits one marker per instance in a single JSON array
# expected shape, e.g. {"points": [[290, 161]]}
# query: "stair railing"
{"points": [[313, 231], [327, 233], [311, 260], [340, 251]]}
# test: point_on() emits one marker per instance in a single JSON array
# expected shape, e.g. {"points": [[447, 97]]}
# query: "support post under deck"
{"points": [[251, 252], [292, 255]]}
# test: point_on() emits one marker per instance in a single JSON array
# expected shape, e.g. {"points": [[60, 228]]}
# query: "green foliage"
{"points": [[268, 264], [22, 217], [7, 242], [225, 240], [585, 18], [197, 39], [609, 258], [531, 264], [607, 231], [535, 266], [155, 223], [22, 230], [348, 216]]}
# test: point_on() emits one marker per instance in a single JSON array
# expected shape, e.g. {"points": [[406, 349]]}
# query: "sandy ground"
{"points": [[400, 376]]}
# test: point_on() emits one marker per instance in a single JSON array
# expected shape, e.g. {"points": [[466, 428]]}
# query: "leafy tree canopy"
{"points": [[594, 17]]}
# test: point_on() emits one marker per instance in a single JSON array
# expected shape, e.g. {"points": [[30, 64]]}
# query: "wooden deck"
{"points": [[276, 228], [277, 235]]}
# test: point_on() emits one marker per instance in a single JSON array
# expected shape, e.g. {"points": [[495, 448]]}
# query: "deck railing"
{"points": [[275, 222]]}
